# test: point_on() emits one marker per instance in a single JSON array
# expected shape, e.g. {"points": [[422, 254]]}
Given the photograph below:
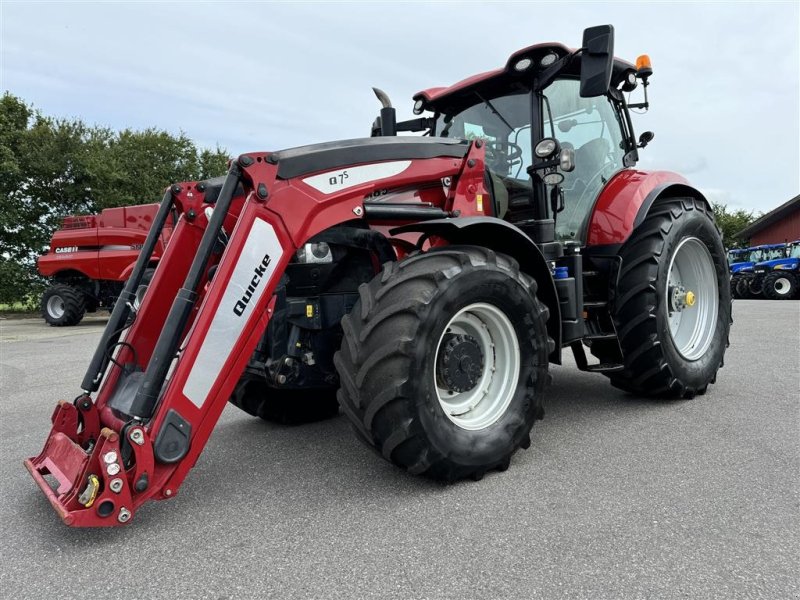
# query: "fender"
{"points": [[504, 237], [625, 201], [49, 266], [126, 272]]}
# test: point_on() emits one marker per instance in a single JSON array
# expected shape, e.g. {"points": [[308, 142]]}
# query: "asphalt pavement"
{"points": [[618, 496]]}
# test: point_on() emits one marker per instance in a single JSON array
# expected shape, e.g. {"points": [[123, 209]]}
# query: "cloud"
{"points": [[264, 76]]}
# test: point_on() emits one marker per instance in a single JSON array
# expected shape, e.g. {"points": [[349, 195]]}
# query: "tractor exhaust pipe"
{"points": [[388, 118], [122, 307]]}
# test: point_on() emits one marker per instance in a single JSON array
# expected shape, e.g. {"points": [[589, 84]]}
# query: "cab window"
{"points": [[591, 127]]}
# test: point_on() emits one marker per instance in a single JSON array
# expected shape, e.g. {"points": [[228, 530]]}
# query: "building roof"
{"points": [[770, 218]]}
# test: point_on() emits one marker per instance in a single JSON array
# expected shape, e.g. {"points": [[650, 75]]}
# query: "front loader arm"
{"points": [[203, 315]]}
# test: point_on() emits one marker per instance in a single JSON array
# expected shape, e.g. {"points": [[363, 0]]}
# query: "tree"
{"points": [[50, 168], [731, 223]]}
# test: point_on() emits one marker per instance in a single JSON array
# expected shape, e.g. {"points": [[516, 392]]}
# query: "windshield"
{"points": [[735, 256], [591, 126], [762, 254], [795, 251], [503, 122]]}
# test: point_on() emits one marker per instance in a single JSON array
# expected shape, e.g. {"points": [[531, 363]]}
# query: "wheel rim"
{"points": [[55, 307], [692, 298], [488, 329], [782, 286]]}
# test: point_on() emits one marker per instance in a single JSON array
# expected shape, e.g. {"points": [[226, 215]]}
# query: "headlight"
{"points": [[548, 59], [553, 178], [523, 65], [546, 147], [315, 253], [419, 106]]}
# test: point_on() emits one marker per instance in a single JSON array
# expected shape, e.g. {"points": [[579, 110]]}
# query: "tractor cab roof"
{"points": [[508, 77]]}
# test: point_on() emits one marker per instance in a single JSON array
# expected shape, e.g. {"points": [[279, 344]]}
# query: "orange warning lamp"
{"points": [[643, 67]]}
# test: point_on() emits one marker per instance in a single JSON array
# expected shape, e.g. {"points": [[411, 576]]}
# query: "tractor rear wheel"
{"points": [[673, 304], [284, 405], [444, 362], [63, 305], [779, 285]]}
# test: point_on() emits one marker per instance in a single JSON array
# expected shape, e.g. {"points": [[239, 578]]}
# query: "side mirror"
{"points": [[645, 139], [597, 60]]}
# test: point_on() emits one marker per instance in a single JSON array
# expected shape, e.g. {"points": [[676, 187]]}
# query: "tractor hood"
{"points": [[779, 264], [303, 160], [741, 266]]}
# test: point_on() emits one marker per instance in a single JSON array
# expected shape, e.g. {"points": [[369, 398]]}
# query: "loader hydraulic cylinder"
{"points": [[122, 307], [170, 337]]}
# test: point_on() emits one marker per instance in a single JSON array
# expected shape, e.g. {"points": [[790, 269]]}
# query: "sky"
{"points": [[257, 76]]}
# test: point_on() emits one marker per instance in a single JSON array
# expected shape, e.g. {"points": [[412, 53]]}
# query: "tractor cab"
{"points": [[759, 254], [763, 255], [737, 256], [550, 150], [775, 256], [556, 128]]}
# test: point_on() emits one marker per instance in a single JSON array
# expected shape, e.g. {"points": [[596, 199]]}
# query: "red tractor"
{"points": [[91, 257], [422, 284]]}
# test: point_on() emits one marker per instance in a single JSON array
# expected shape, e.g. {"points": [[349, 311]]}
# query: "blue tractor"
{"points": [[781, 275], [737, 260], [751, 275]]}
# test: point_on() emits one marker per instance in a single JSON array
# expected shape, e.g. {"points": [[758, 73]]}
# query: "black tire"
{"points": [[780, 285], [743, 288], [734, 282], [285, 406], [653, 364], [755, 286], [388, 356], [63, 305]]}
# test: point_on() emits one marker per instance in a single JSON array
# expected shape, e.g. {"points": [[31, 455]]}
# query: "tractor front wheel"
{"points": [[779, 285], [284, 405], [743, 288], [444, 361], [63, 305], [673, 304], [734, 283]]}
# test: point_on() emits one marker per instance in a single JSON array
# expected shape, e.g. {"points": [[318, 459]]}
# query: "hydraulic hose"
{"points": [[122, 307]]}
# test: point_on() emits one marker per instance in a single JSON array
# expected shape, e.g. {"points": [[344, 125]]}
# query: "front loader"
{"points": [[422, 283]]}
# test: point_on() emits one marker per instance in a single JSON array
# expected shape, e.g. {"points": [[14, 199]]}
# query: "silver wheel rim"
{"points": [[488, 400], [692, 298], [782, 286], [55, 307]]}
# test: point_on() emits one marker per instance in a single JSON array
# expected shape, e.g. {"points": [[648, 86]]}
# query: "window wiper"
{"points": [[495, 111]]}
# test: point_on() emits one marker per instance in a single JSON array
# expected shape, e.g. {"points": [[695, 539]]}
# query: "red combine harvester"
{"points": [[92, 256], [430, 280]]}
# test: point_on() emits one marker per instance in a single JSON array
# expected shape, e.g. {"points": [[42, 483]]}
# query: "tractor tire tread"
{"points": [[398, 300], [74, 305], [647, 371]]}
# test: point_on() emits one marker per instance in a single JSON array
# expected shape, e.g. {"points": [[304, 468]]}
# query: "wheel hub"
{"points": [[680, 298], [459, 365]]}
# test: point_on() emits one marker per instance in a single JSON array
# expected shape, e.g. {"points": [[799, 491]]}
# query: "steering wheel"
{"points": [[508, 151]]}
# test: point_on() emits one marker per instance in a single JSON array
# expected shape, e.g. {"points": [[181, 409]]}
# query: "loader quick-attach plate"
{"points": [[87, 488]]}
